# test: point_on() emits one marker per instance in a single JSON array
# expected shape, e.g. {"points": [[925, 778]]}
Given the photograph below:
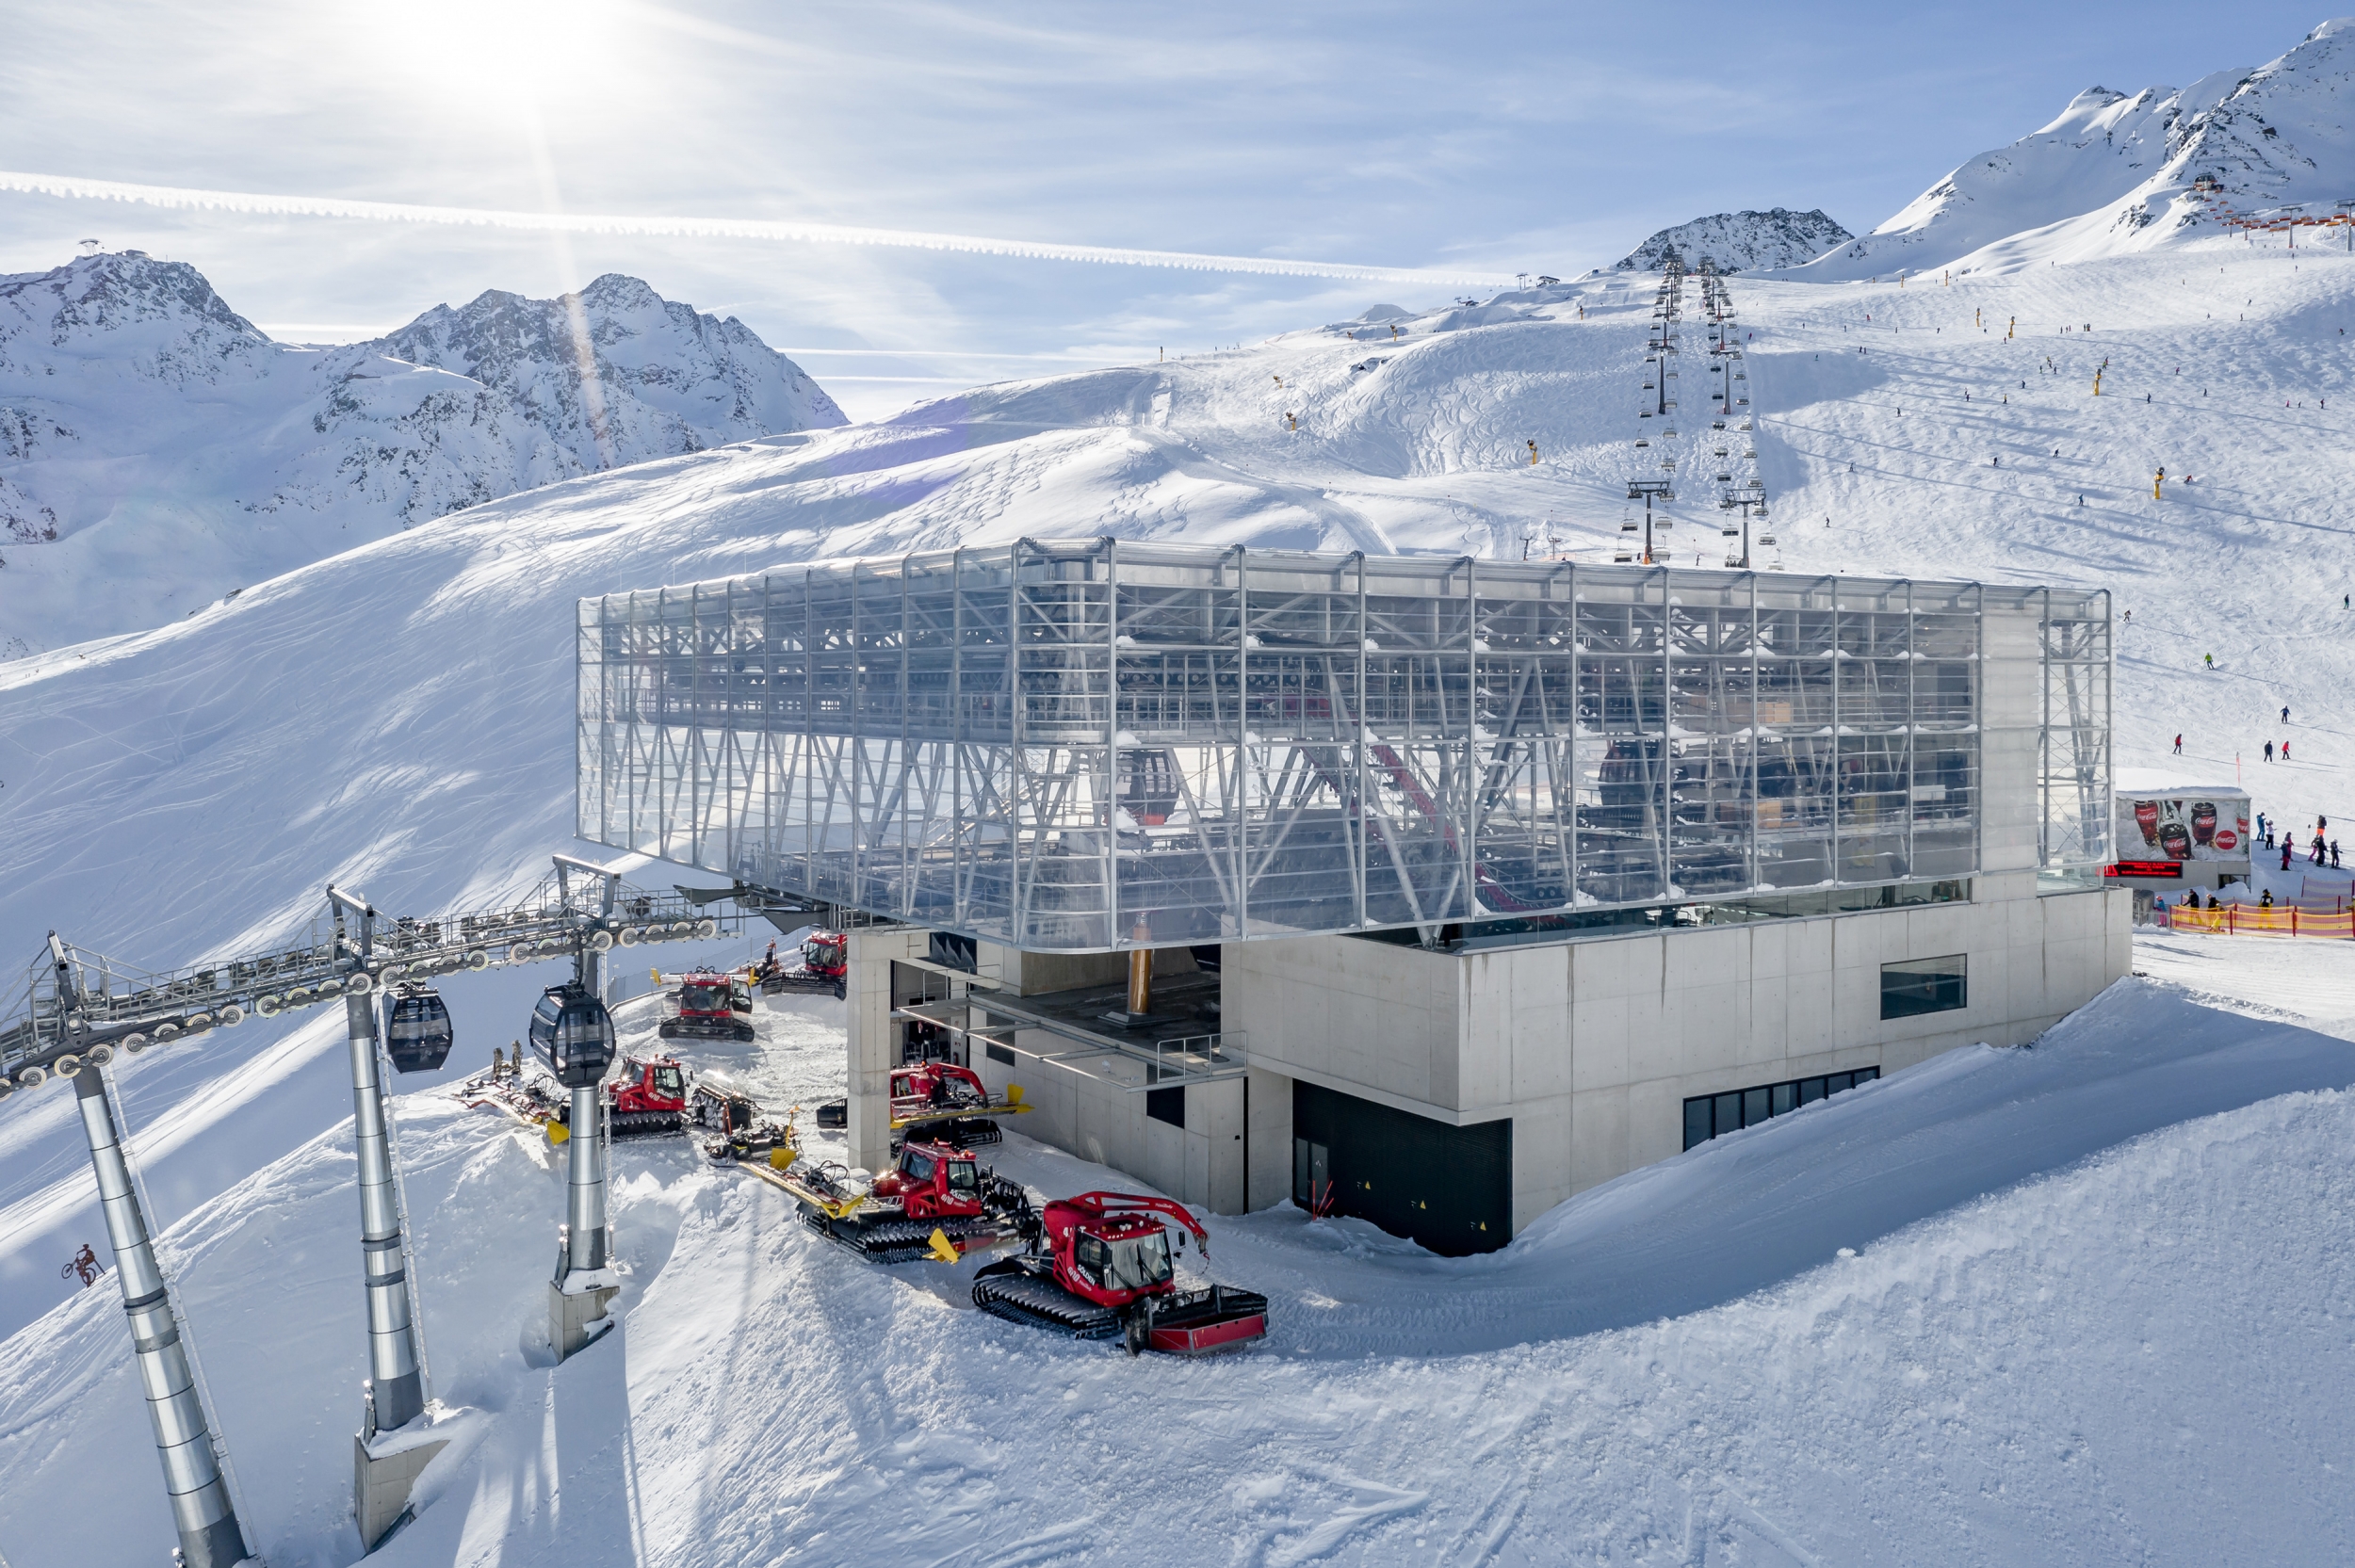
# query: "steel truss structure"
{"points": [[1096, 744], [75, 1003]]}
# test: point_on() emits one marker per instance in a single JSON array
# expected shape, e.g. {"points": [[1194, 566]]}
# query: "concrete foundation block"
{"points": [[577, 1318], [383, 1474]]}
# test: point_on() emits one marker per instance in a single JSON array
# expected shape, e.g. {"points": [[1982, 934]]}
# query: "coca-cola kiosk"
{"points": [[2175, 832]]}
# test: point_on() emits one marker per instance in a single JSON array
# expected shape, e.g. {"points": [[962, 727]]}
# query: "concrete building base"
{"points": [[576, 1316], [383, 1473]]}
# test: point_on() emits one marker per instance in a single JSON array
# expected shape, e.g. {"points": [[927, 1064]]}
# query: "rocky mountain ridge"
{"points": [[2117, 173], [159, 450], [1740, 241]]}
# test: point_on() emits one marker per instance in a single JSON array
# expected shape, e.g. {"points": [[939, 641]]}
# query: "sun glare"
{"points": [[489, 55]]}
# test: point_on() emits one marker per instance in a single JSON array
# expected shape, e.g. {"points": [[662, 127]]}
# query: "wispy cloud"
{"points": [[75, 188]]}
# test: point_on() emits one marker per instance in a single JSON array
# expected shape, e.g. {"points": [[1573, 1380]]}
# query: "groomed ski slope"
{"points": [[398, 719], [1812, 1342]]}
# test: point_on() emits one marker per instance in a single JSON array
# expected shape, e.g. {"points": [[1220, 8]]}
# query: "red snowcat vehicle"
{"points": [[652, 1096], [937, 1202], [706, 1005], [825, 965], [949, 1103], [1105, 1270]]}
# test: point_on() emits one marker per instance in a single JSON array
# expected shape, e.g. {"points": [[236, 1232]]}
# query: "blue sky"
{"points": [[1502, 140]]}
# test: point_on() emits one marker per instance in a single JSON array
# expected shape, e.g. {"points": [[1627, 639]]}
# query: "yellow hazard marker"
{"points": [[943, 1251], [557, 1132]]}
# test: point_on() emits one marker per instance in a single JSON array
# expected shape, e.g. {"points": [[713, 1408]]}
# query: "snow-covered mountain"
{"points": [[157, 450], [400, 717], [2118, 173], [1740, 241]]}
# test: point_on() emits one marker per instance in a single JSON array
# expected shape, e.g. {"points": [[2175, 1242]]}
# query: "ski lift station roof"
{"points": [[1089, 744]]}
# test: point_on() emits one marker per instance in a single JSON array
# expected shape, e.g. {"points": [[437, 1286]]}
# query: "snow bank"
{"points": [[1804, 1355]]}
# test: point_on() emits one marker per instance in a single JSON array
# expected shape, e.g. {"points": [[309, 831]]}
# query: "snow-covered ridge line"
{"points": [[2117, 173], [1740, 241], [74, 186], [158, 451]]}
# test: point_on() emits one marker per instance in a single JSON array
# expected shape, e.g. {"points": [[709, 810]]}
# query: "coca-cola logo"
{"points": [[2226, 839]]}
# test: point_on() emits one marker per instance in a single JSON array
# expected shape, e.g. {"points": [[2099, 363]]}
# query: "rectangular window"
{"points": [[1913, 986], [996, 1052], [1708, 1116], [1167, 1104]]}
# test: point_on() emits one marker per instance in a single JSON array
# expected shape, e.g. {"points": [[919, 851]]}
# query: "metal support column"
{"points": [[396, 1382], [384, 1472], [200, 1510], [584, 1280]]}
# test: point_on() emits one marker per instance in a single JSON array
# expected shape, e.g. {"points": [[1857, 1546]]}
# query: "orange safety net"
{"points": [[2250, 920]]}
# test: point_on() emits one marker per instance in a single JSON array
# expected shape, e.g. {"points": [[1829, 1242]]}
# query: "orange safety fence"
{"points": [[2250, 920]]}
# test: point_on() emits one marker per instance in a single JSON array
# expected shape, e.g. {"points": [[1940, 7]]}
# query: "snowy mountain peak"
{"points": [[163, 314], [1740, 241], [124, 502], [2115, 173]]}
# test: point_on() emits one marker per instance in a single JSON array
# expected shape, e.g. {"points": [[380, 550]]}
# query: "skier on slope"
{"points": [[2268, 750], [2178, 745], [2286, 751], [2285, 713]]}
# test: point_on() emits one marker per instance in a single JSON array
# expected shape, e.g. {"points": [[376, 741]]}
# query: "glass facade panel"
{"points": [[1094, 744]]}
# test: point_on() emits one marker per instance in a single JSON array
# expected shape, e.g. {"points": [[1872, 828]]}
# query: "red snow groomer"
{"points": [[706, 1004], [825, 966], [1105, 1270], [949, 1103], [937, 1202]]}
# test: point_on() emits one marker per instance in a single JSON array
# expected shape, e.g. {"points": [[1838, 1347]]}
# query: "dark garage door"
{"points": [[1449, 1188]]}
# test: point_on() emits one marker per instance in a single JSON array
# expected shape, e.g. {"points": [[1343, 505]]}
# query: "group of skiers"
{"points": [[2321, 849]]}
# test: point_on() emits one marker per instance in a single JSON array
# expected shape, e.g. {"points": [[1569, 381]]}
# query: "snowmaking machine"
{"points": [[825, 966], [1099, 1266], [705, 1004], [937, 1202]]}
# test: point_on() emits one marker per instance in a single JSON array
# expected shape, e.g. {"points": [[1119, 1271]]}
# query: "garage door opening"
{"points": [[1449, 1188]]}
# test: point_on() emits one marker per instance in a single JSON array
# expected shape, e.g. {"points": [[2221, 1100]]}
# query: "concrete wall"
{"points": [[1592, 1046], [1204, 1162]]}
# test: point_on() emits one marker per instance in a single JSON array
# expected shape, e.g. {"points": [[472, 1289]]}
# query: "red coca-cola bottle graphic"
{"points": [[2175, 839], [2202, 821], [2146, 818]]}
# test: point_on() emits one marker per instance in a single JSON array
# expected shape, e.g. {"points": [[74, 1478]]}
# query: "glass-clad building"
{"points": [[1084, 745]]}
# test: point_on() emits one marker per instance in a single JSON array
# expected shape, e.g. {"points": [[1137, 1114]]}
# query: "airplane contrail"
{"points": [[75, 188]]}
